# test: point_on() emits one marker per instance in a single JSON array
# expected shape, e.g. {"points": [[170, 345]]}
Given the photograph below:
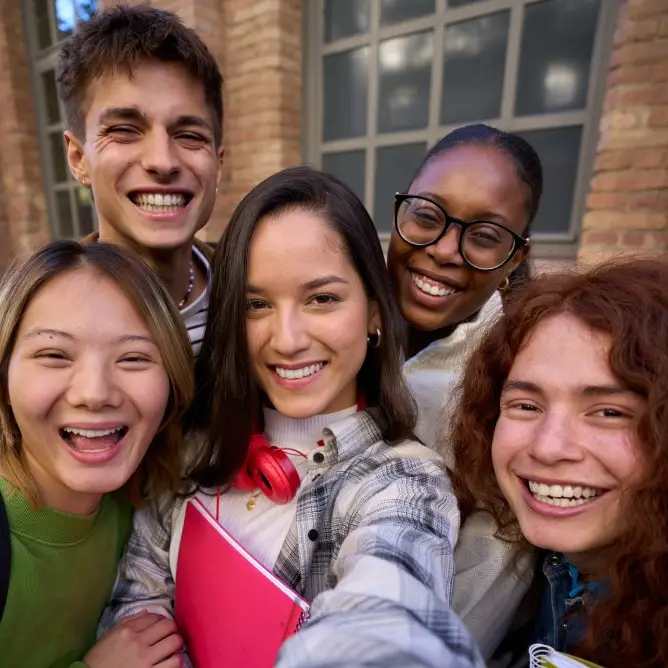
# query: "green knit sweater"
{"points": [[63, 569]]}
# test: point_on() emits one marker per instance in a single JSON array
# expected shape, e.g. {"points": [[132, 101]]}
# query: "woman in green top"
{"points": [[95, 374]]}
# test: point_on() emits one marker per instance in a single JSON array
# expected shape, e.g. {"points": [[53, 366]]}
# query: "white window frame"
{"points": [[557, 245], [41, 61]]}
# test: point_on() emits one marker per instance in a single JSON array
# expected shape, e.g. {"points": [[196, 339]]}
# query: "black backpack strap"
{"points": [[5, 556]]}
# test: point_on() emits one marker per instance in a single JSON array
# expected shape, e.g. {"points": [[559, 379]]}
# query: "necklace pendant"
{"points": [[252, 501]]}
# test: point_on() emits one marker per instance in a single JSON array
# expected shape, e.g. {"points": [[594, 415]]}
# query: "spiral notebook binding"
{"points": [[303, 618], [538, 654]]}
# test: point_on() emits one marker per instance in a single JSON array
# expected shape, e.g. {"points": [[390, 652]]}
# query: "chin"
{"points": [[299, 409], [100, 482]]}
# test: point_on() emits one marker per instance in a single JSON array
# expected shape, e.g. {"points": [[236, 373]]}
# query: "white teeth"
{"points": [[430, 288], [160, 202], [292, 374], [563, 496], [91, 433]]}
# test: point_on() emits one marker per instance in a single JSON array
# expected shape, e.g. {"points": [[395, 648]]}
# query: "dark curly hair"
{"points": [[628, 301]]}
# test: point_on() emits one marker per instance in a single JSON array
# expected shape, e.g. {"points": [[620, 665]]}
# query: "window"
{"points": [[386, 79], [48, 23]]}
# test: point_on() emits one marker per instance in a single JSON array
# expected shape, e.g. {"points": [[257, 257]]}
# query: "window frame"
{"points": [[41, 61], [545, 245]]}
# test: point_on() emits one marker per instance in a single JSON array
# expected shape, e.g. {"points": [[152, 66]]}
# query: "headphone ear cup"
{"points": [[244, 480], [275, 475]]}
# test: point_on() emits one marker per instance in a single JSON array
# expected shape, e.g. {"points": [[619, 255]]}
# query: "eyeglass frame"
{"points": [[400, 198]]}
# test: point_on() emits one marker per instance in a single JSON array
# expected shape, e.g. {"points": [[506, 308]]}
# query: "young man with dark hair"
{"points": [[143, 101]]}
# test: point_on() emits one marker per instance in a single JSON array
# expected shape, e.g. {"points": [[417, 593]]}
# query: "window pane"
{"points": [[66, 17], [559, 149], [85, 9], [395, 11], [347, 166], [59, 161], [84, 211], [345, 87], [42, 23], [404, 66], [344, 18], [395, 166], [64, 212], [557, 44], [475, 51], [51, 97]]}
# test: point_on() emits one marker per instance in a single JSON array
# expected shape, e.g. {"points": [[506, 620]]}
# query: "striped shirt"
{"points": [[194, 315], [371, 545]]}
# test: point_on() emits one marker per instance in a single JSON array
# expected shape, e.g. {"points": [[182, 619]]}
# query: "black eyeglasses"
{"points": [[484, 245]]}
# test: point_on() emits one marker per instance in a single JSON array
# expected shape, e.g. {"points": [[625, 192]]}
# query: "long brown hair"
{"points": [[227, 400], [627, 300], [161, 466]]}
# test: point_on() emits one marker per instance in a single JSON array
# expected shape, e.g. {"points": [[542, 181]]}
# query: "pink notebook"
{"points": [[230, 609]]}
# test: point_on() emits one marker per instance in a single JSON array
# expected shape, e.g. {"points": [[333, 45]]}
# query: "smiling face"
{"points": [[149, 155], [87, 388], [434, 286], [308, 315], [564, 450]]}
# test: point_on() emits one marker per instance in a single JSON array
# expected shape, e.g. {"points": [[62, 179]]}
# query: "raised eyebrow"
{"points": [[129, 338], [121, 113], [48, 331], [605, 390], [195, 121], [323, 281], [487, 217], [521, 386]]}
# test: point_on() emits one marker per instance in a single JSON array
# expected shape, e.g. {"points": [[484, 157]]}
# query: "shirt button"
{"points": [[554, 560], [313, 534], [318, 458]]}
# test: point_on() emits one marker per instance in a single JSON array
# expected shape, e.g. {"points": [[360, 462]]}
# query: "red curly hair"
{"points": [[627, 300]]}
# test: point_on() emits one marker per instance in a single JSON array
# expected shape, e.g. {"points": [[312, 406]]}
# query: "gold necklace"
{"points": [[252, 500]]}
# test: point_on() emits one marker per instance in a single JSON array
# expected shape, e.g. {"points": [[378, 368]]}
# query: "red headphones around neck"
{"points": [[269, 469]]}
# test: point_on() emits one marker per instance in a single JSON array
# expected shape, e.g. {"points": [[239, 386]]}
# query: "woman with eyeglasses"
{"points": [[460, 231]]}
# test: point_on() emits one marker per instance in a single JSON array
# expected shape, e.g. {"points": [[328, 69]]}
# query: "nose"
{"points": [[556, 440], [93, 387], [160, 156], [446, 249], [290, 334]]}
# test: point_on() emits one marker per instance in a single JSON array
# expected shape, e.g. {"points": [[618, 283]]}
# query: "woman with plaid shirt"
{"points": [[304, 340]]}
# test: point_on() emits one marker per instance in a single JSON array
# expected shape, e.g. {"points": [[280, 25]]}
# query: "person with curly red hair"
{"points": [[562, 436]]}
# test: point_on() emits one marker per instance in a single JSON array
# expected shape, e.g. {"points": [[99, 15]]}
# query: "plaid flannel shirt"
{"points": [[371, 545]]}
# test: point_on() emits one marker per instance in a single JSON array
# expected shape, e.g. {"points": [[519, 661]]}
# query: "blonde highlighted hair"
{"points": [[161, 467]]}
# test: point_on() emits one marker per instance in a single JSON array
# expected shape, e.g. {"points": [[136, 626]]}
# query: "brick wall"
{"points": [[627, 206], [23, 218]]}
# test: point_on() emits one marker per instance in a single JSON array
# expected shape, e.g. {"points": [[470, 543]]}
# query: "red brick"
{"points": [[648, 158], [625, 220], [658, 73], [633, 239], [640, 9], [600, 238], [612, 160], [630, 180], [658, 116], [637, 53], [631, 74], [605, 201]]}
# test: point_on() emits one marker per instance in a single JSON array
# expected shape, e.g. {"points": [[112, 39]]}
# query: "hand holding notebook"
{"points": [[230, 609]]}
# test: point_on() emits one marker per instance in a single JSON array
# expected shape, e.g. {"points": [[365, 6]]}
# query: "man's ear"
{"points": [[221, 154], [76, 159]]}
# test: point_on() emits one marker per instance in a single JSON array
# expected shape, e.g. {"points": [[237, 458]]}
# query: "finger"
{"points": [[173, 662], [143, 621], [166, 649], [159, 631]]}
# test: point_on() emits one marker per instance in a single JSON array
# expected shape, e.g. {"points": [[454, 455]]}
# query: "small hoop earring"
{"points": [[505, 284], [374, 339], [85, 183]]}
